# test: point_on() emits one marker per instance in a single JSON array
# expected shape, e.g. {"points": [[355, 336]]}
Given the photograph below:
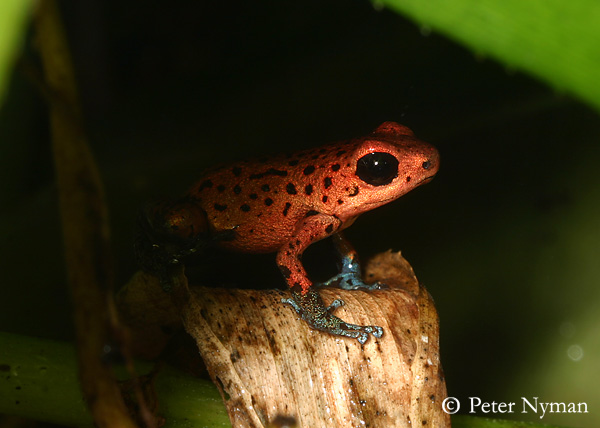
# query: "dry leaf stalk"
{"points": [[269, 365]]}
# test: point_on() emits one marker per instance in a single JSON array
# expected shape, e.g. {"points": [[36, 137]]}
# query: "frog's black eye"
{"points": [[377, 169], [426, 165]]}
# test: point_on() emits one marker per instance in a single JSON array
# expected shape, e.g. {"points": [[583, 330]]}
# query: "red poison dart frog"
{"points": [[285, 203]]}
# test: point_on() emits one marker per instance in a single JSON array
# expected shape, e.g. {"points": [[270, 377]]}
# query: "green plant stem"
{"points": [[463, 421], [38, 380]]}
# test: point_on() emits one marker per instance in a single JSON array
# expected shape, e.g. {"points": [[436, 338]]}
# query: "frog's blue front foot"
{"points": [[320, 317]]}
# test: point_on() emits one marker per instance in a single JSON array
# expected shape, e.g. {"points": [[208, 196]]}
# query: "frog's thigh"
{"points": [[311, 229]]}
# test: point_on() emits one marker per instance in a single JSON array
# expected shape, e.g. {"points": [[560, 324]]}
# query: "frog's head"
{"points": [[387, 164]]}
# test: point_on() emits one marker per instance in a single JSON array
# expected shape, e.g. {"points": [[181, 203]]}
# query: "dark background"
{"points": [[171, 90]]}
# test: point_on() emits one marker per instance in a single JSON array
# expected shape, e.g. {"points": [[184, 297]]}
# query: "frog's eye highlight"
{"points": [[377, 169]]}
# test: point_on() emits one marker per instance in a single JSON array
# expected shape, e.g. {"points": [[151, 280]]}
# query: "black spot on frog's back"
{"points": [[309, 170], [291, 189], [286, 209]]}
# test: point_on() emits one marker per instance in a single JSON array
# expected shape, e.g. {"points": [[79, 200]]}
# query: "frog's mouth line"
{"points": [[382, 201], [427, 179], [385, 201]]}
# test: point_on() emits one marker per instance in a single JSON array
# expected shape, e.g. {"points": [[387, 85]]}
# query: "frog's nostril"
{"points": [[426, 164]]}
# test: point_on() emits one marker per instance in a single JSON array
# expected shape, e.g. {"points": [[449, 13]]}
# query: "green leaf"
{"points": [[14, 16], [556, 40]]}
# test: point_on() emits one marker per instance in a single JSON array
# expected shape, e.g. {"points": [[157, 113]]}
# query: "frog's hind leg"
{"points": [[169, 232], [350, 275]]}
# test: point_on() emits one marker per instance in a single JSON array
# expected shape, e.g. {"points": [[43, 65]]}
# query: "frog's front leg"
{"points": [[350, 275], [305, 299]]}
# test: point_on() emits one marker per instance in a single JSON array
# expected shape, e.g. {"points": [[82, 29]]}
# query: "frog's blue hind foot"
{"points": [[313, 311], [351, 281], [350, 276]]}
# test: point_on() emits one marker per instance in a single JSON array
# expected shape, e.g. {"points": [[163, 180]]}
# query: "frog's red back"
{"points": [[263, 201]]}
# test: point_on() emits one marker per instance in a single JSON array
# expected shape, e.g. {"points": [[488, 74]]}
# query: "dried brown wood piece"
{"points": [[270, 366]]}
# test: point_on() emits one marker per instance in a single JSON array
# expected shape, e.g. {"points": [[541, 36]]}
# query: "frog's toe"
{"points": [[377, 286], [361, 285], [335, 304], [374, 330]]}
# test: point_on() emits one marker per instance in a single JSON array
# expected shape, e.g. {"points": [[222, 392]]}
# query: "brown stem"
{"points": [[85, 227]]}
